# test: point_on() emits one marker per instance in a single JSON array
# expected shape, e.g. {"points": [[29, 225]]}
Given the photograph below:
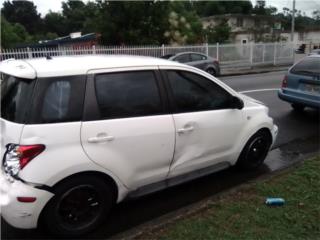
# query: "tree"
{"points": [[12, 34], [209, 8], [219, 33], [55, 23], [184, 24], [23, 12]]}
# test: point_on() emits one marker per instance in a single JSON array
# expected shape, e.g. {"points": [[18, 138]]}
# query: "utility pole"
{"points": [[292, 19]]}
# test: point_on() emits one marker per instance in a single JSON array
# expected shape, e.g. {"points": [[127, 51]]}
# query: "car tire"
{"points": [[79, 206], [211, 71], [297, 107], [255, 151]]}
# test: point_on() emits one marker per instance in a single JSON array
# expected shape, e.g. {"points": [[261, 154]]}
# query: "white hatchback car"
{"points": [[79, 134]]}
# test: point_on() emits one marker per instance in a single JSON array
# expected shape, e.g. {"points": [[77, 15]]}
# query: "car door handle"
{"points": [[100, 139], [185, 129]]}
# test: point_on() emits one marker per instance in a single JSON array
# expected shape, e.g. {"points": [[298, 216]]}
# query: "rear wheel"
{"points": [[255, 151], [211, 71], [79, 206], [297, 107]]}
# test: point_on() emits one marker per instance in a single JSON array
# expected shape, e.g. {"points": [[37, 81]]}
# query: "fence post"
{"points": [[207, 49], [29, 52], [251, 53], [274, 53], [293, 51], [217, 56], [263, 52], [162, 49], [93, 49]]}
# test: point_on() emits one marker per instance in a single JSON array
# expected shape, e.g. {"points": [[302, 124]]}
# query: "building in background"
{"points": [[247, 28]]}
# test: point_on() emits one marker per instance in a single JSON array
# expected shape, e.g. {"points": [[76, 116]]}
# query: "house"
{"points": [[73, 40], [247, 28]]}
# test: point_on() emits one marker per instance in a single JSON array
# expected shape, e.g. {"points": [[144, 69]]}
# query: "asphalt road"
{"points": [[291, 125], [298, 134]]}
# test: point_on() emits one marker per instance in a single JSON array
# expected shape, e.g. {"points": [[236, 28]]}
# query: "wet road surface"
{"points": [[298, 137]]}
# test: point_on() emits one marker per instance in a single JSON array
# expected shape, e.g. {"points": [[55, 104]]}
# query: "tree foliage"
{"points": [[134, 22], [23, 12], [12, 34], [219, 33]]}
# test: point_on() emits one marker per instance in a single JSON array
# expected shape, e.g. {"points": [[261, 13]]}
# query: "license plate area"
{"points": [[311, 88]]}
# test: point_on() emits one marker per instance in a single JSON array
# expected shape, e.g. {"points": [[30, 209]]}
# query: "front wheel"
{"points": [[255, 151], [78, 207]]}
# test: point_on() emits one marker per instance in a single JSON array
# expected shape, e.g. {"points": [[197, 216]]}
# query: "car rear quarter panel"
{"points": [[62, 157]]}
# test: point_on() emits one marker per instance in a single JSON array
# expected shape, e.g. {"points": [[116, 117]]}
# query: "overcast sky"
{"points": [[307, 6]]}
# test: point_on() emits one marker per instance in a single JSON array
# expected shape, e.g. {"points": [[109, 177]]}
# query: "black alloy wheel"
{"points": [[255, 151], [78, 207]]}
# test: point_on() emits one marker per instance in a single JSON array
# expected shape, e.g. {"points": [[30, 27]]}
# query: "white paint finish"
{"points": [[10, 133], [18, 214], [18, 68], [260, 90], [141, 151], [62, 157], [79, 65], [211, 140]]}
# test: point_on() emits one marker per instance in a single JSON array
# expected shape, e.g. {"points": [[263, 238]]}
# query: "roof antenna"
{"points": [[48, 57]]}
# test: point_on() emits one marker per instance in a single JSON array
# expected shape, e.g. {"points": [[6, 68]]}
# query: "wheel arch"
{"points": [[103, 176]]}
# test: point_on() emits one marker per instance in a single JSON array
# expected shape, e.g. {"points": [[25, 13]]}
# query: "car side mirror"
{"points": [[236, 103]]}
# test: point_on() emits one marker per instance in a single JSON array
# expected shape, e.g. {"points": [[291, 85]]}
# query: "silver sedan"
{"points": [[199, 60]]}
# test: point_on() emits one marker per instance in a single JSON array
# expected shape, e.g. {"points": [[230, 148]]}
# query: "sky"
{"points": [[307, 6]]}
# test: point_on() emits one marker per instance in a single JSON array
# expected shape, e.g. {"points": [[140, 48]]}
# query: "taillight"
{"points": [[216, 62], [285, 82], [18, 156]]}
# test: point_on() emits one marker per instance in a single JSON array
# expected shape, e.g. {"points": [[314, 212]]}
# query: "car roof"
{"points": [[75, 65], [180, 53]]}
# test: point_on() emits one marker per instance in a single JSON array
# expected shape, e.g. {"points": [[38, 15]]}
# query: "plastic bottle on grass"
{"points": [[275, 201]]}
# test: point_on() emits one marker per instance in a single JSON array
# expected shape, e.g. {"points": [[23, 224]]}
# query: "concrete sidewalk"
{"points": [[252, 70]]}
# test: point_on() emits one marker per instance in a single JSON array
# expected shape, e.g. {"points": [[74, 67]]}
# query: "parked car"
{"points": [[80, 134], [315, 52], [301, 49], [199, 60], [301, 85]]}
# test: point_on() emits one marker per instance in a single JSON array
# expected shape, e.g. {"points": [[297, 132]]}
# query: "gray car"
{"points": [[199, 60]]}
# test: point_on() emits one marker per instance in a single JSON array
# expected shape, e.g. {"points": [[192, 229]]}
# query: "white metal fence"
{"points": [[229, 55]]}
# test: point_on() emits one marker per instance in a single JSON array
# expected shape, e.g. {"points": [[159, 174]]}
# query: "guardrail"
{"points": [[229, 55]]}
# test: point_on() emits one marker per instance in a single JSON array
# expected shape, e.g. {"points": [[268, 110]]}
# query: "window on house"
{"points": [[239, 22]]}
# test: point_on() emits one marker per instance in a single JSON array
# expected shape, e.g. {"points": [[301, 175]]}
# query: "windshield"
{"points": [[15, 97], [308, 66]]}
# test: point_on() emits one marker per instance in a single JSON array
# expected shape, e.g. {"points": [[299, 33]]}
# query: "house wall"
{"points": [[312, 36]]}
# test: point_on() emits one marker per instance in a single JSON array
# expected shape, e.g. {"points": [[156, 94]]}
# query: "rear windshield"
{"points": [[308, 66], [15, 97]]}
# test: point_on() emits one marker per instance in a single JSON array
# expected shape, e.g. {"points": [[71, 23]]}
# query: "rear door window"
{"points": [[183, 58], [16, 94], [197, 57], [308, 66], [127, 94]]}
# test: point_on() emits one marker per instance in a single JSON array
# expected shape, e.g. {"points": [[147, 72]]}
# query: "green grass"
{"points": [[244, 215]]}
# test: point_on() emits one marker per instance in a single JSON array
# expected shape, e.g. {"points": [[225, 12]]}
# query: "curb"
{"points": [[255, 71]]}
